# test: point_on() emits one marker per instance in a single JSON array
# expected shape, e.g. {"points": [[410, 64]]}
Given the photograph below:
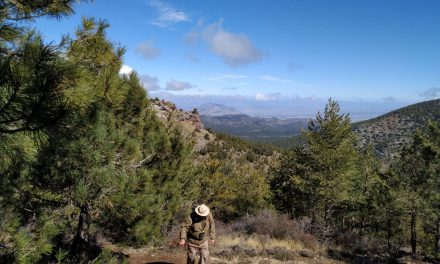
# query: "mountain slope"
{"points": [[388, 133], [255, 128], [212, 109]]}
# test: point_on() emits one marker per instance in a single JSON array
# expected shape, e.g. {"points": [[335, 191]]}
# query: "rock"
{"points": [[251, 252], [282, 253], [225, 253], [190, 122], [238, 250], [404, 260], [307, 253], [335, 254]]}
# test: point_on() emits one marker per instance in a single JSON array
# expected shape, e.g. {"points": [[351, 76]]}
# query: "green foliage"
{"points": [[225, 186], [329, 180], [348, 193], [26, 244], [85, 153], [233, 167], [418, 190], [322, 176], [32, 82]]}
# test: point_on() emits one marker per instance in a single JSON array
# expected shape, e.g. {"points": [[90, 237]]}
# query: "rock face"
{"points": [[190, 122]]}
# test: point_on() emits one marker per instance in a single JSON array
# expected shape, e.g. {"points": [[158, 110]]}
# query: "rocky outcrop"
{"points": [[190, 122]]}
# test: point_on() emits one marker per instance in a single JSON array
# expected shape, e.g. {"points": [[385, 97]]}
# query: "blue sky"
{"points": [[372, 55]]}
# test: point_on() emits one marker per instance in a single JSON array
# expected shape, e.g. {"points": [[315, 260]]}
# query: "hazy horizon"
{"points": [[285, 107]]}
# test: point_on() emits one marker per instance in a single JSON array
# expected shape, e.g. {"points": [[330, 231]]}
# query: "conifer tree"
{"points": [[320, 177], [419, 170], [103, 164]]}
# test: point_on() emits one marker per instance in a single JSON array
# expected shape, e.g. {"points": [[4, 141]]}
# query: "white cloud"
{"points": [[431, 93], [174, 85], [267, 97], [272, 78], [167, 15], [150, 83], [235, 49], [148, 50], [228, 77], [125, 70]]}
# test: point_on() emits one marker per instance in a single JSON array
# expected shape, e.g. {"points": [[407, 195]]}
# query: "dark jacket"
{"points": [[197, 229]]}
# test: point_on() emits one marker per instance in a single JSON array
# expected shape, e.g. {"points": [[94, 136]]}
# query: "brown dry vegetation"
{"points": [[265, 238]]}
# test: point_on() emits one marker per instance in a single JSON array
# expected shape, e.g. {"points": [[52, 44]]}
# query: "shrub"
{"points": [[280, 226]]}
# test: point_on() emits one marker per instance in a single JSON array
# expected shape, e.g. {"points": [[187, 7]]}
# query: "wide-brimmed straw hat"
{"points": [[202, 210]]}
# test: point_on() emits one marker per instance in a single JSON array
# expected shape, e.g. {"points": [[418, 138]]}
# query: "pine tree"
{"points": [[318, 180], [419, 170], [107, 165]]}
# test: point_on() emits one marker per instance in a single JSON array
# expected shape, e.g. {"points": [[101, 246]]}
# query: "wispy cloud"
{"points": [[167, 14], [230, 88], [150, 83], [267, 97], [228, 77], [291, 67], [389, 99], [174, 85], [272, 78], [193, 36], [192, 57], [431, 93], [148, 50]]}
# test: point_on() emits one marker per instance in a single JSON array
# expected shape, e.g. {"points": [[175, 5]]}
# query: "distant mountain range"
{"points": [[217, 110], [230, 121], [387, 134]]}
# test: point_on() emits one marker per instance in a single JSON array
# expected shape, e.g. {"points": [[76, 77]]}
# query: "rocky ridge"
{"points": [[192, 126]]}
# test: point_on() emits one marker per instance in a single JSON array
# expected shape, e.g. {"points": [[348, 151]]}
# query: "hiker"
{"points": [[199, 231]]}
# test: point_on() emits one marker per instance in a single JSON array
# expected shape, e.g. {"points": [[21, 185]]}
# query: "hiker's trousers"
{"points": [[203, 250]]}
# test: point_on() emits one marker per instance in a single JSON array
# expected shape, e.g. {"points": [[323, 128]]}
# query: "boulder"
{"points": [[307, 253]]}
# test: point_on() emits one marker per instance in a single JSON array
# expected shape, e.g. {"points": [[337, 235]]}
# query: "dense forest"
{"points": [[84, 157]]}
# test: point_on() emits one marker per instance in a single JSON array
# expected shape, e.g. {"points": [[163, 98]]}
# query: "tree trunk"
{"points": [[77, 239], [413, 234], [361, 228], [437, 237], [389, 231]]}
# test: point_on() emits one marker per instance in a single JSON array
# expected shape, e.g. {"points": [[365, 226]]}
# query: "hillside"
{"points": [[212, 109], [390, 132], [255, 128]]}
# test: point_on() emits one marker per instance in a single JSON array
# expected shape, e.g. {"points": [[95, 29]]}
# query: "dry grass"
{"points": [[257, 242]]}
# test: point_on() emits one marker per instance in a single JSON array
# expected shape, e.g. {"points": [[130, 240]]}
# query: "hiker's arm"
{"points": [[184, 230]]}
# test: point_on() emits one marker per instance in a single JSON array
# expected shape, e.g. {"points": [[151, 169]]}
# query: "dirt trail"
{"points": [[162, 258]]}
